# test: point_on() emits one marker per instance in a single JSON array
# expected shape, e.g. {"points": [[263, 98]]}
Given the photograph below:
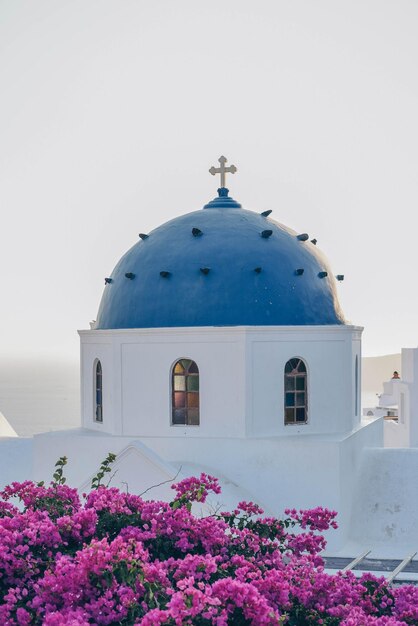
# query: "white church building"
{"points": [[220, 346]]}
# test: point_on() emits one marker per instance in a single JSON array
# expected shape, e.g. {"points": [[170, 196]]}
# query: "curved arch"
{"points": [[295, 391], [98, 391], [185, 396]]}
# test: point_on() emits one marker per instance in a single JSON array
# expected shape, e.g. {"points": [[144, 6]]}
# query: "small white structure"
{"points": [[398, 404]]}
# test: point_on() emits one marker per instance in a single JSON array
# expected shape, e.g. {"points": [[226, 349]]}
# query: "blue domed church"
{"points": [[220, 347]]}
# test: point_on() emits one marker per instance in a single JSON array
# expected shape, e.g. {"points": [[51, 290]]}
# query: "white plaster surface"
{"points": [[385, 511], [16, 460], [6, 430], [276, 472], [241, 379]]}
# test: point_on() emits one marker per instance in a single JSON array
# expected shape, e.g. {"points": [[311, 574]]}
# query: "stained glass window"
{"points": [[295, 392], [185, 393], [98, 392]]}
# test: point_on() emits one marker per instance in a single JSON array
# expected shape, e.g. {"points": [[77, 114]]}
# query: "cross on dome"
{"points": [[222, 170]]}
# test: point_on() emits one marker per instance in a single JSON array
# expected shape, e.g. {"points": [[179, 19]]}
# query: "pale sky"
{"points": [[112, 112]]}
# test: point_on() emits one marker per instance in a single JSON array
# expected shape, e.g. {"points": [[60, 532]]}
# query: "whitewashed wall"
{"points": [[275, 472], [329, 354], [410, 378], [386, 506], [241, 379], [137, 368]]}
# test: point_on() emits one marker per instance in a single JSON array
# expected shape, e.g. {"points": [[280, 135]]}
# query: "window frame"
{"points": [[186, 391], [97, 405], [304, 376]]}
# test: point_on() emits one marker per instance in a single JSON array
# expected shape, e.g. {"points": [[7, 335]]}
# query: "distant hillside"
{"points": [[378, 369]]}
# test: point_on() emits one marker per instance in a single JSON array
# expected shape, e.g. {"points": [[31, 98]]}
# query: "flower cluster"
{"points": [[195, 489], [319, 518], [118, 559]]}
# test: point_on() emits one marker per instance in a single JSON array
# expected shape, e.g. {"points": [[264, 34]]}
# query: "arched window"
{"points": [[295, 392], [98, 392], [185, 393]]}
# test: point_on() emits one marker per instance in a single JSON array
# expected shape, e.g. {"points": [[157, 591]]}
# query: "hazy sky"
{"points": [[112, 111]]}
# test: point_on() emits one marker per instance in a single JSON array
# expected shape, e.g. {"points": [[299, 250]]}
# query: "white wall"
{"points": [[410, 377], [101, 350], [329, 354], [397, 433], [276, 472], [386, 507], [16, 460], [146, 374], [281, 472], [241, 379], [138, 365], [351, 453]]}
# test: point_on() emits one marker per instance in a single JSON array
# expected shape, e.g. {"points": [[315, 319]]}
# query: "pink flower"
{"points": [[196, 489], [117, 559]]}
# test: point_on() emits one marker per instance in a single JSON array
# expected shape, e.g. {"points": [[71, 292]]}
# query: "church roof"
{"points": [[220, 266]]}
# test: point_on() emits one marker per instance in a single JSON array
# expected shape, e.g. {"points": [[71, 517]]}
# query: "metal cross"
{"points": [[222, 170]]}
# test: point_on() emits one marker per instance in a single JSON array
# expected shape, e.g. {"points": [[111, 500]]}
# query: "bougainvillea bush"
{"points": [[113, 558]]}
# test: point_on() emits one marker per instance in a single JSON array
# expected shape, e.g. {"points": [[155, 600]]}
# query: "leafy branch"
{"points": [[105, 468], [58, 477]]}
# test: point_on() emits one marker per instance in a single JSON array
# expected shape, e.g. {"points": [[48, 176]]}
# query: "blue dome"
{"points": [[220, 266]]}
